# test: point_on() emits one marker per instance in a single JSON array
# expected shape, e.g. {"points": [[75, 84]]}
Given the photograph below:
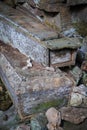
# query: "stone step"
{"points": [[31, 88], [24, 32]]}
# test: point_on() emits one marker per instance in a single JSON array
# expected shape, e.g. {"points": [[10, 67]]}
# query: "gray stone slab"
{"points": [[24, 32], [63, 43], [31, 88]]}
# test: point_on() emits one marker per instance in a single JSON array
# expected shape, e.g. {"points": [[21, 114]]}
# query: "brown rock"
{"points": [[73, 115]]}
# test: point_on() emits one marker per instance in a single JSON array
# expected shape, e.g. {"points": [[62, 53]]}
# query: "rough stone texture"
{"points": [[84, 66], [33, 86], [56, 18], [38, 122], [32, 38], [23, 127], [76, 2], [53, 116], [73, 115], [76, 73], [54, 119], [47, 5], [78, 96]]}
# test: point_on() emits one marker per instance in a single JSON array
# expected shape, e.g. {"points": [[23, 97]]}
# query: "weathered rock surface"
{"points": [[38, 122], [5, 100], [76, 73], [54, 119], [34, 39], [47, 5], [73, 115], [9, 119], [32, 87], [78, 95]]}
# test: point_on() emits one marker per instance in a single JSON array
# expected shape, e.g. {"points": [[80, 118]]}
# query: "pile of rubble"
{"points": [[38, 40]]}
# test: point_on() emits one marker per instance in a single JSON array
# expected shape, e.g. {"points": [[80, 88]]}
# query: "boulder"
{"points": [[78, 96], [73, 115], [54, 119]]}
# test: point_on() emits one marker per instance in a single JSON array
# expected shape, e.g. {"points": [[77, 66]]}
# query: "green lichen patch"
{"points": [[53, 103]]}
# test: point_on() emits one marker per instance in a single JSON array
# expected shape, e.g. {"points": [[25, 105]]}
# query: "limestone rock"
{"points": [[54, 119], [73, 115], [78, 96], [76, 73], [76, 99]]}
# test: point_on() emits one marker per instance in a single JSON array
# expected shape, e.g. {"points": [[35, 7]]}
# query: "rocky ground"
{"points": [[69, 115], [9, 119]]}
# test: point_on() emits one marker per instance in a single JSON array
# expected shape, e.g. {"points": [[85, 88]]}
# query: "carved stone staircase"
{"points": [[25, 38]]}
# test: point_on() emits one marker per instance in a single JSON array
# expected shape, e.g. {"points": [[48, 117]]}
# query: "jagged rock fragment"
{"points": [[73, 115], [54, 119], [78, 95]]}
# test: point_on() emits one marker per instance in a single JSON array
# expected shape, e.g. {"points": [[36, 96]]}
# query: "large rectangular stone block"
{"points": [[31, 87], [24, 32]]}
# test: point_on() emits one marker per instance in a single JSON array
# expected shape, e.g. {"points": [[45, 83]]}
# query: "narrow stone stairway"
{"points": [[28, 53]]}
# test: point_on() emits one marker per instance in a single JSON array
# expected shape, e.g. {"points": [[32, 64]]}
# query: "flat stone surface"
{"points": [[33, 86], [58, 44]]}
